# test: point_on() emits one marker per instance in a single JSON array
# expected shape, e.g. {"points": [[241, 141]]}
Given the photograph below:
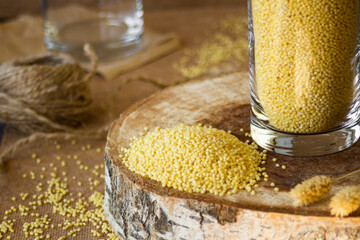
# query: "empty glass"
{"points": [[113, 27]]}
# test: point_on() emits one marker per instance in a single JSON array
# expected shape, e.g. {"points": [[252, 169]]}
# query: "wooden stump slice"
{"points": [[139, 208]]}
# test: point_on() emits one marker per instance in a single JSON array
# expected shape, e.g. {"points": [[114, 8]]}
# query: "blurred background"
{"points": [[11, 8]]}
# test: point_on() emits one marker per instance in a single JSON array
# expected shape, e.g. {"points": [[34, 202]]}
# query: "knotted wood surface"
{"points": [[139, 208]]}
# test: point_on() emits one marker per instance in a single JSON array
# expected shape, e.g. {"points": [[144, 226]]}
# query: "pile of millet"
{"points": [[196, 159], [303, 53]]}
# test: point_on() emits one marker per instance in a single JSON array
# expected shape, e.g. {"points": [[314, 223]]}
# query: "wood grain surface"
{"points": [[223, 103]]}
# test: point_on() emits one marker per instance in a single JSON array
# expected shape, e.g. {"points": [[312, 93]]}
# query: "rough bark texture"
{"points": [[139, 208]]}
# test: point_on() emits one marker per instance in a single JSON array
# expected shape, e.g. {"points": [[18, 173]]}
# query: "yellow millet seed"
{"points": [[220, 50], [194, 159], [303, 53], [74, 208]]}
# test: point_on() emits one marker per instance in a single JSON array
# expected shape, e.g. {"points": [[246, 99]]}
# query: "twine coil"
{"points": [[47, 97], [48, 93]]}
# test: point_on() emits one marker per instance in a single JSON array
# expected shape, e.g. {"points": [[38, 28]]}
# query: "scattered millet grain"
{"points": [[77, 210], [311, 190], [6, 226], [195, 159], [303, 53], [345, 201], [224, 49]]}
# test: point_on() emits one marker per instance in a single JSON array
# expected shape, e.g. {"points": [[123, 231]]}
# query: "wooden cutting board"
{"points": [[139, 208]]}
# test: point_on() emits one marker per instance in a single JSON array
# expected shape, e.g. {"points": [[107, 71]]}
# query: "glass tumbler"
{"points": [[113, 27], [304, 75]]}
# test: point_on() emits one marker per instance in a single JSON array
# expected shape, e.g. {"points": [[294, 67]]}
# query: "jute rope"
{"points": [[48, 93], [46, 96]]}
